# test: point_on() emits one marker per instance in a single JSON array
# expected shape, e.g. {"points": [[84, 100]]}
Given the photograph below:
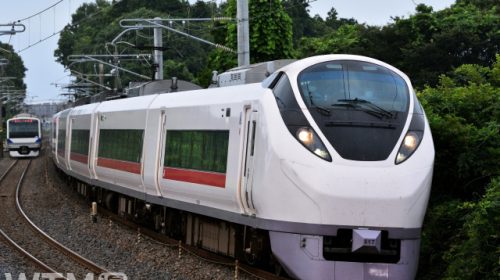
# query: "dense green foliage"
{"points": [[15, 68], [270, 29], [475, 255], [464, 110], [424, 45], [183, 56], [460, 238]]}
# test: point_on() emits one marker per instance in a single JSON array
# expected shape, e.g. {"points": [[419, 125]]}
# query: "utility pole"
{"points": [[243, 33], [158, 50], [11, 28], [7, 29]]}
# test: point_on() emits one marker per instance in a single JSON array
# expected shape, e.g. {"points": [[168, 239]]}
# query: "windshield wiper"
{"points": [[322, 110], [374, 109]]}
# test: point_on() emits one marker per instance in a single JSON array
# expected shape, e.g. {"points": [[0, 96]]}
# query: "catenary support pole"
{"points": [[243, 33], [158, 50]]}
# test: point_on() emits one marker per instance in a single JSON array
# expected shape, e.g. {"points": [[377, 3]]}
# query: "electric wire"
{"points": [[111, 5], [87, 17], [42, 11]]}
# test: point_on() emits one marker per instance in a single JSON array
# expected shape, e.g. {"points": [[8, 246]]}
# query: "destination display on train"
{"points": [[22, 121]]}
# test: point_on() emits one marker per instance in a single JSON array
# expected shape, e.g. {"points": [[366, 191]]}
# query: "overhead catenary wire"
{"points": [[30, 45], [70, 24], [42, 11]]}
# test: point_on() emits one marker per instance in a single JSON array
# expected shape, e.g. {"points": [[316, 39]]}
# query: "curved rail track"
{"points": [[205, 255], [163, 240], [23, 235]]}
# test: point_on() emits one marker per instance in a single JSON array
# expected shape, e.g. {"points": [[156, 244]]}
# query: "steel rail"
{"points": [[199, 253], [63, 249], [14, 244], [8, 170]]}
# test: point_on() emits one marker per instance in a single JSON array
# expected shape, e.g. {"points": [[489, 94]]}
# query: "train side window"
{"points": [[61, 140], [270, 81], [121, 144], [80, 141], [287, 103], [197, 149], [283, 92]]}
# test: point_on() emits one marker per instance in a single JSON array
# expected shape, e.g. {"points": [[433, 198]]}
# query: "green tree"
{"points": [[15, 68], [270, 33], [460, 236], [429, 43], [476, 254], [464, 110], [82, 36], [339, 41], [302, 23]]}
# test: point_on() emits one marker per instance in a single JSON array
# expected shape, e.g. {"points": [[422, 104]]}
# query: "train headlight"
{"points": [[305, 135], [410, 143], [311, 141]]}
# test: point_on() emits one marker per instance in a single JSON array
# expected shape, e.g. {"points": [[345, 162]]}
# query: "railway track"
{"points": [[163, 240], [240, 269], [22, 234]]}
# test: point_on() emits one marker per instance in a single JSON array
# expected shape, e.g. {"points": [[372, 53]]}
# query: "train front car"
{"points": [[24, 137], [351, 197]]}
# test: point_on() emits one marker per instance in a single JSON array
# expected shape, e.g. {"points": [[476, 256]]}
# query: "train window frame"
{"points": [[121, 144], [61, 138], [18, 128], [351, 88], [79, 144], [179, 150]]}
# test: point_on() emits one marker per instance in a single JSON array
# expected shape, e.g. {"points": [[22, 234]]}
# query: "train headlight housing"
{"points": [[312, 142], [305, 135], [410, 144]]}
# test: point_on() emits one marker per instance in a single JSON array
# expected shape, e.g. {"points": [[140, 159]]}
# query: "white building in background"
{"points": [[44, 110]]}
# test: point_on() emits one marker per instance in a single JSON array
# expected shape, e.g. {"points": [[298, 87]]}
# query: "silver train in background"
{"points": [[323, 169], [24, 136]]}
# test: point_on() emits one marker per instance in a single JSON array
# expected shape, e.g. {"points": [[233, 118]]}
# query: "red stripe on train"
{"points": [[195, 176], [127, 166], [79, 157]]}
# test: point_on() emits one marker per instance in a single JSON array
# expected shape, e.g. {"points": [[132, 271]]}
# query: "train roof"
{"points": [[24, 116], [299, 65]]}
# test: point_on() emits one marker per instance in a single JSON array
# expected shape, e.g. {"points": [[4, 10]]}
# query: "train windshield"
{"points": [[360, 107], [354, 85], [23, 128]]}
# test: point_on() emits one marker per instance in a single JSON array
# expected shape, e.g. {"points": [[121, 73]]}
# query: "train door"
{"points": [[70, 135], [250, 130], [55, 127], [94, 132], [162, 137]]}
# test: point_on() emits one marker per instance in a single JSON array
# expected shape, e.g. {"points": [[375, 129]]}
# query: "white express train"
{"points": [[323, 169], [24, 136]]}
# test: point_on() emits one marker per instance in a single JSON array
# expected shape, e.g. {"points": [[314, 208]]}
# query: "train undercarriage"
{"points": [[244, 243]]}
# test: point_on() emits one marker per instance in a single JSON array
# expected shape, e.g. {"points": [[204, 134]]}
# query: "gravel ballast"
{"points": [[65, 216]]}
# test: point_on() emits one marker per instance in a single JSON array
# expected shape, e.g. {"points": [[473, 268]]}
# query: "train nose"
{"points": [[24, 150], [366, 241]]}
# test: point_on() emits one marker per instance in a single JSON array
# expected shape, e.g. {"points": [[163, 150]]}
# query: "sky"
{"points": [[45, 77]]}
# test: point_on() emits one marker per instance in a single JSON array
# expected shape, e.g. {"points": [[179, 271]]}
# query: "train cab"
{"points": [[24, 136]]}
